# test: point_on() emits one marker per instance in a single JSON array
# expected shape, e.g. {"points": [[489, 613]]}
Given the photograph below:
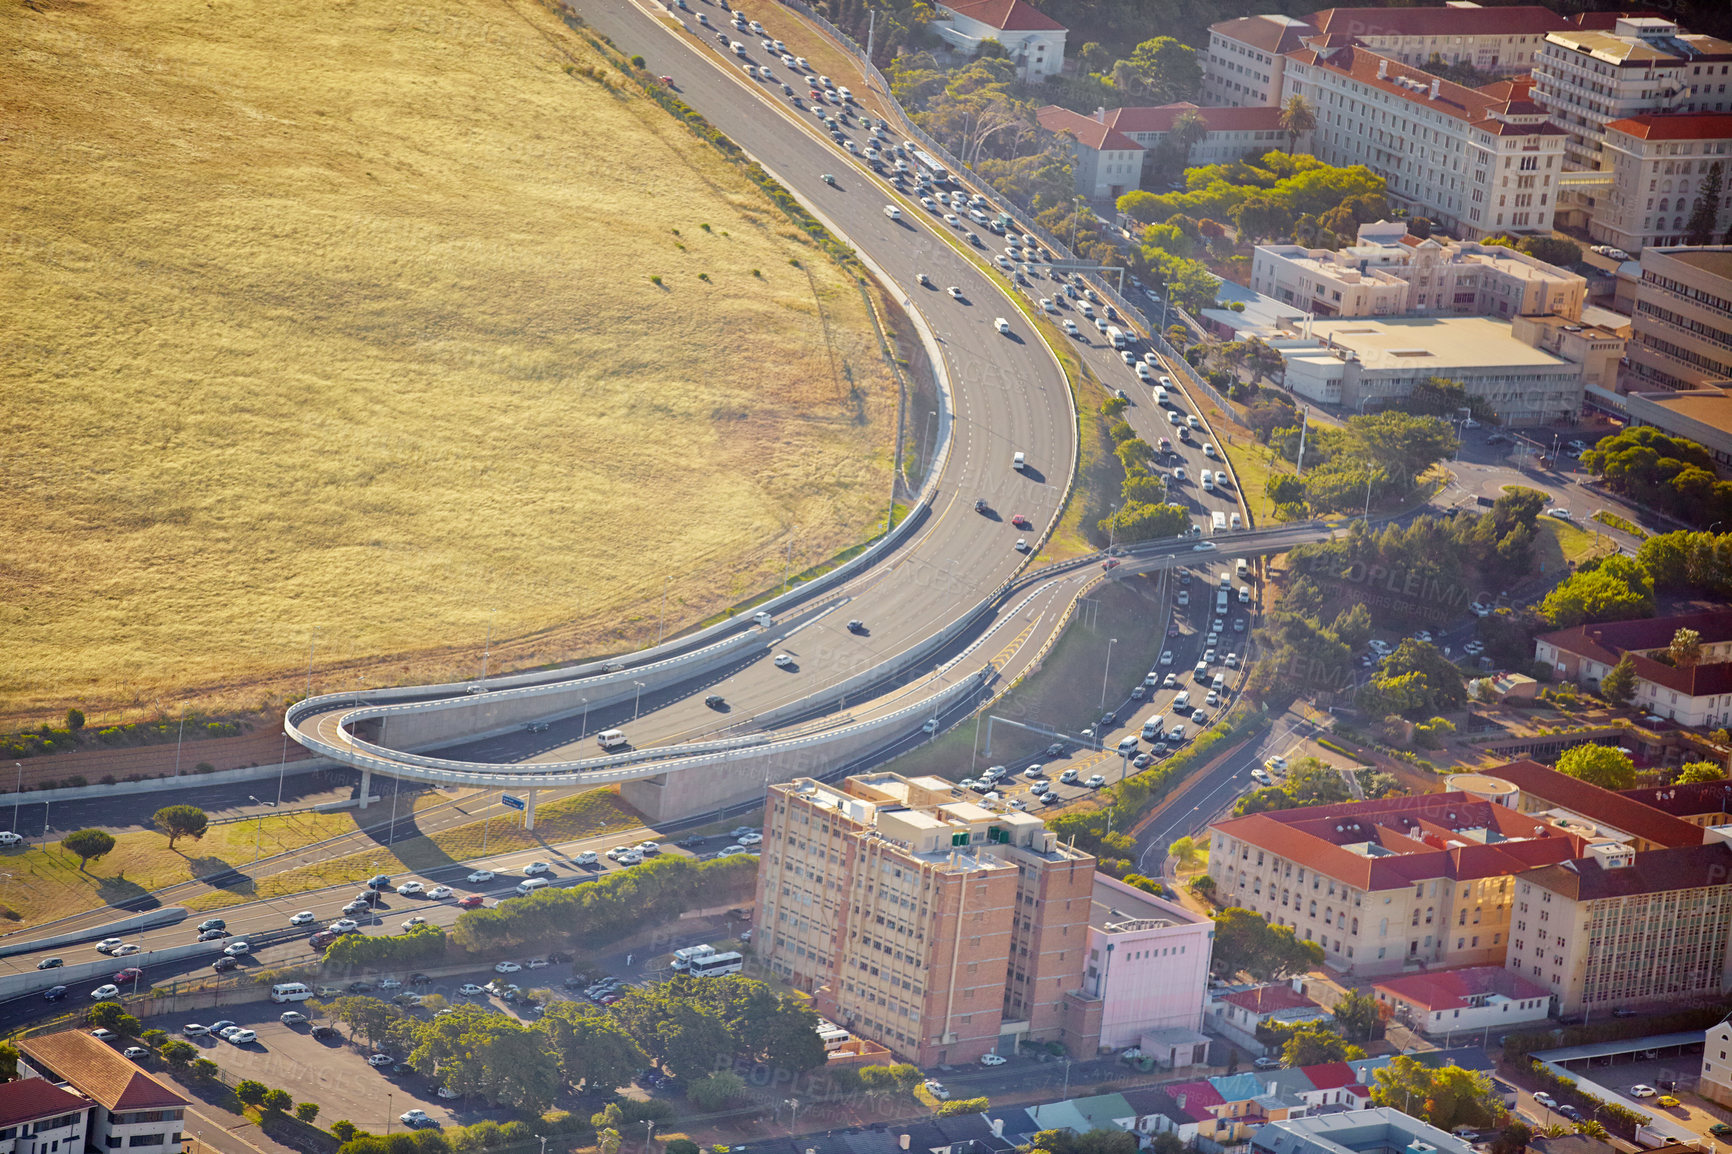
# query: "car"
{"points": [[106, 990], [194, 1030], [1001, 324], [1277, 763], [1095, 781], [751, 837], [304, 918], [440, 893], [102, 1035], [537, 867], [416, 1118], [1545, 1099], [1720, 1130], [1642, 1091], [379, 882], [109, 945], [1570, 1112], [1170, 681], [1267, 1063], [1204, 547], [1021, 522], [413, 922], [828, 178], [993, 1059], [1166, 657], [1022, 545], [236, 949], [784, 660], [1560, 513], [506, 968], [1261, 776], [129, 974], [411, 889], [50, 963], [1667, 1101], [212, 924], [936, 1089], [480, 876], [343, 925], [1068, 777], [354, 907], [224, 964], [54, 994], [377, 1060]]}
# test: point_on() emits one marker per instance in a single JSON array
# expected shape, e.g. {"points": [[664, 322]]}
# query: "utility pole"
{"points": [[180, 739], [1304, 424], [871, 27]]}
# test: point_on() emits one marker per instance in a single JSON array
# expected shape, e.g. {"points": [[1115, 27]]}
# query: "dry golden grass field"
{"points": [[337, 320]]}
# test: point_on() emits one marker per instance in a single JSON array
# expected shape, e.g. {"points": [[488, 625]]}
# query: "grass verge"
{"points": [[1622, 524], [1559, 543], [1253, 464]]}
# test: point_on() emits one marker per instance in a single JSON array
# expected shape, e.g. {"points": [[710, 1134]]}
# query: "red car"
{"points": [[668, 80], [1111, 564], [131, 973], [1021, 522], [472, 902]]}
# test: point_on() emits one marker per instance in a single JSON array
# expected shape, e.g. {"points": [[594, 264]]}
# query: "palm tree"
{"points": [[1188, 130], [1296, 120], [1685, 649]]}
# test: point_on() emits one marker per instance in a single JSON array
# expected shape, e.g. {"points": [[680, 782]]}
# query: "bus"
{"points": [[1116, 335], [716, 965], [929, 162], [1219, 520], [684, 958], [291, 992]]}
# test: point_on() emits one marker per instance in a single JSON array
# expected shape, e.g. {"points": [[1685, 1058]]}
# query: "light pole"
{"points": [[179, 738], [584, 728], [1106, 668], [648, 1134], [388, 1109], [17, 795], [1076, 214], [635, 698], [543, 1141], [259, 834], [396, 786], [1367, 515]]}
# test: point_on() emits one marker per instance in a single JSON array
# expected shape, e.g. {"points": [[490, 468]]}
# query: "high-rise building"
{"points": [[1245, 58], [1660, 169], [1682, 324]]}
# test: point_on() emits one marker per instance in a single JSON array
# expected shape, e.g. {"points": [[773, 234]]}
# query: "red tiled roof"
{"points": [[1513, 88], [1271, 1000], [1089, 132], [1602, 805], [1657, 871], [28, 1099], [1160, 118], [93, 1068], [1683, 126], [1609, 640], [1272, 34], [1194, 1099], [1453, 989], [1331, 1075], [1688, 798], [1005, 15], [1462, 103], [1515, 20]]}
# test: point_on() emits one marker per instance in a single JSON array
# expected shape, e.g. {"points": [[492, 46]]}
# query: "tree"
{"points": [[87, 843], [75, 719], [1699, 772], [178, 1053], [178, 821], [344, 1130], [1185, 852], [1161, 69], [250, 1091], [1313, 1044], [1446, 1097], [1512, 1138], [1353, 625], [111, 1016], [1599, 765], [1685, 650], [204, 1069], [607, 1141], [1296, 119], [307, 1111], [716, 1090], [276, 1102], [1703, 214], [1617, 589], [1551, 249], [681, 1146], [1189, 130], [1618, 686], [1356, 1016], [1244, 940]]}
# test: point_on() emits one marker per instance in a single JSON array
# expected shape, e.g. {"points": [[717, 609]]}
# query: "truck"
{"points": [[1222, 597], [1116, 335], [1219, 520]]}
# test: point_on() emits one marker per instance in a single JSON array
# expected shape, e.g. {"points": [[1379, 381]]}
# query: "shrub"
{"points": [[307, 1111], [344, 1130], [637, 62], [655, 280], [963, 1106], [74, 720], [204, 1069], [276, 1101]]}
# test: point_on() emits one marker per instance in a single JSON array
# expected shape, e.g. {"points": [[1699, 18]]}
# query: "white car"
{"points": [[630, 857], [992, 1059], [414, 1118], [1166, 657], [800, 63], [105, 991], [1261, 776], [537, 867], [1070, 327], [892, 212], [469, 989], [377, 1060], [1095, 781], [751, 839], [480, 876], [1203, 547], [194, 1030], [241, 1038], [937, 1090], [1001, 325], [440, 893], [109, 945], [783, 660], [587, 858], [343, 925], [417, 920], [7, 837], [1046, 305], [1560, 513], [304, 918], [390, 984], [236, 949], [291, 1017], [506, 968], [411, 889], [1640, 1090]]}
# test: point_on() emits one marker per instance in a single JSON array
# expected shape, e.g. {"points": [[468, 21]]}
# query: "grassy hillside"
{"points": [[340, 318]]}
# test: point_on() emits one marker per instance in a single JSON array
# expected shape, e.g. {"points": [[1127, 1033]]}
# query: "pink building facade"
{"points": [[1147, 962]]}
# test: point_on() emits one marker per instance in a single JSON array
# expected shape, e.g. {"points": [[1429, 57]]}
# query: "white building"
{"points": [[1034, 40], [1412, 276], [1715, 1083], [1110, 149], [38, 1117], [1147, 966], [1440, 1002], [1480, 160], [1244, 62], [1659, 165], [1372, 363], [1499, 39], [1236, 1012], [131, 1110], [1700, 696]]}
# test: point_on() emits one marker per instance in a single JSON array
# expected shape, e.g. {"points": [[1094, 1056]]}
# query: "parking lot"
{"points": [[1674, 1074]]}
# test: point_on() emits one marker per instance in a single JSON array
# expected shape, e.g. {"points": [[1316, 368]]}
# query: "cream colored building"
{"points": [[1715, 1083], [1413, 276], [1659, 167], [1385, 885], [1682, 322], [1469, 159], [1245, 59], [1622, 928], [1498, 39]]}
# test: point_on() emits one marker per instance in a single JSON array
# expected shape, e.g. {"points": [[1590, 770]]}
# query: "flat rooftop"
{"points": [[1708, 407], [1115, 903], [1422, 344], [1715, 260]]}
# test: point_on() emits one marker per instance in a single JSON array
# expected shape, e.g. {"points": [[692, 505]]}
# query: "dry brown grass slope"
{"points": [[339, 317]]}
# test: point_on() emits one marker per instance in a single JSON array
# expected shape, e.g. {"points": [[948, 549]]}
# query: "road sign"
{"points": [[509, 802]]}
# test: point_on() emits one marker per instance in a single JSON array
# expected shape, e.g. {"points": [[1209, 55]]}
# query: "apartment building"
{"points": [[1111, 150], [1682, 323], [1410, 276], [1381, 885], [1592, 813], [1623, 928], [1033, 40], [1145, 974], [38, 1117], [1469, 159], [1244, 62], [1499, 39], [1700, 696], [1376, 1131], [1715, 1082], [1659, 166], [130, 1109], [939, 929]]}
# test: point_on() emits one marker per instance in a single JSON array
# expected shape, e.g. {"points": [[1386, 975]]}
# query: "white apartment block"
{"points": [[1416, 277], [1502, 40], [1034, 40], [1659, 166], [1469, 159], [1715, 1083], [1245, 59]]}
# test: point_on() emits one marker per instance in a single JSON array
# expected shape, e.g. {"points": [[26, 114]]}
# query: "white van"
{"points": [[291, 992], [684, 958], [611, 738], [1161, 394], [530, 885], [1153, 726], [1128, 743], [1208, 481], [1018, 461], [1244, 595], [1242, 568], [1218, 519], [833, 1036], [1182, 702]]}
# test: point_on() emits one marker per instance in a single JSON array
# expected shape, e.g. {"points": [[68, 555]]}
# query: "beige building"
{"points": [[1715, 1083], [1410, 276], [1659, 167], [1682, 321], [1244, 61], [1597, 349], [940, 929], [1480, 160], [1497, 39], [1110, 150], [1622, 928], [1384, 885]]}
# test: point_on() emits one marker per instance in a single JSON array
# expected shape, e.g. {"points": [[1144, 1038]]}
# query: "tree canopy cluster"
{"points": [[1245, 942], [1445, 1097], [1672, 474], [1378, 457], [1620, 588], [1266, 196], [1417, 681]]}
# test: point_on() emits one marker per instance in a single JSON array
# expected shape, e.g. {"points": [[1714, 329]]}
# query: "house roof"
{"points": [[1146, 1100], [1454, 989], [1005, 15], [1683, 126], [1601, 805], [1271, 1000], [1685, 799], [1089, 132], [1331, 1075], [1194, 1100], [95, 1069], [1395, 842], [1239, 1087], [1160, 118], [1657, 871], [28, 1099], [1514, 20], [1272, 34], [1471, 105]]}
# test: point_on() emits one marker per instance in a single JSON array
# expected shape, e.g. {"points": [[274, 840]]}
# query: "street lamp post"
{"points": [[180, 738], [259, 834], [1106, 669], [635, 698], [1076, 215], [17, 795], [584, 728]]}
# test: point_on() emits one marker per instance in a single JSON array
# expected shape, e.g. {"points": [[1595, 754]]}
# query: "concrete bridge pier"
{"points": [[366, 786], [529, 812]]}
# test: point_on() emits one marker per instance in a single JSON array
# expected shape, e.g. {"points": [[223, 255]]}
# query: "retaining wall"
{"points": [[165, 916]]}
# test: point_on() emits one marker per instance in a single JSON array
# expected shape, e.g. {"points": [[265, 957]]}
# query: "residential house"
{"points": [[1698, 696], [1238, 1012], [1032, 39], [38, 1117], [1472, 998], [132, 1111]]}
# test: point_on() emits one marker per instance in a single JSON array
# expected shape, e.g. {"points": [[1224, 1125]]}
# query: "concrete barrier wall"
{"points": [[165, 916], [86, 976], [160, 784]]}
